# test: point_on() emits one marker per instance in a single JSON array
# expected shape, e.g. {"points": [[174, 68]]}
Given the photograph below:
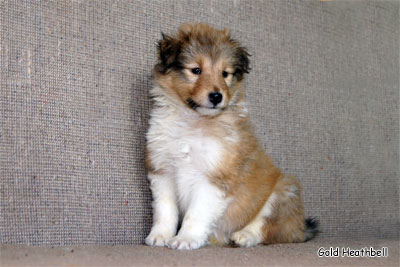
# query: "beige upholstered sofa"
{"points": [[74, 104]]}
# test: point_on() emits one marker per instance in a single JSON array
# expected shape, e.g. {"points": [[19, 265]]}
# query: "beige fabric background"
{"points": [[75, 76]]}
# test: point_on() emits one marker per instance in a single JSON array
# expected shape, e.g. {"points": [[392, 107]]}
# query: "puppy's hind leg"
{"points": [[165, 210], [287, 223], [252, 234], [281, 220]]}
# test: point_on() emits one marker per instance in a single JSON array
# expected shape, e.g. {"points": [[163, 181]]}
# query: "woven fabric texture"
{"points": [[75, 75]]}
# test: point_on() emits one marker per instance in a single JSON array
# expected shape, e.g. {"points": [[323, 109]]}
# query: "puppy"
{"points": [[207, 171]]}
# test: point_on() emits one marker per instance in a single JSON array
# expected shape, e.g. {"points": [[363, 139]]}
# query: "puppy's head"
{"points": [[201, 67]]}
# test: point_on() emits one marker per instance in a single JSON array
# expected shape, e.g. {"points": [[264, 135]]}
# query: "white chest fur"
{"points": [[176, 143]]}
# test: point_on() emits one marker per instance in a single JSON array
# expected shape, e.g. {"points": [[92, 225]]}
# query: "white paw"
{"points": [[245, 238], [185, 242], [158, 239]]}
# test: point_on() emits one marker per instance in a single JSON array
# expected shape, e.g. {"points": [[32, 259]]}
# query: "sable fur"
{"points": [[205, 165]]}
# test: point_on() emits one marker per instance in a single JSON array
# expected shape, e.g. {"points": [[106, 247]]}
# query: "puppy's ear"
{"points": [[169, 49], [242, 64]]}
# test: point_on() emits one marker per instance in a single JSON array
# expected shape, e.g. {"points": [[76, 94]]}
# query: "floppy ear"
{"points": [[168, 51], [242, 62]]}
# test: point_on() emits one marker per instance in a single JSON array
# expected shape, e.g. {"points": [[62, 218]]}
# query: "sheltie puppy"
{"points": [[209, 176]]}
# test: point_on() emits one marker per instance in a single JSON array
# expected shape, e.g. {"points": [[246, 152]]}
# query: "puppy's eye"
{"points": [[224, 74], [196, 71]]}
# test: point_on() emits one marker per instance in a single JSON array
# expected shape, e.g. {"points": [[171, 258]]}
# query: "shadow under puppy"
{"points": [[205, 166]]}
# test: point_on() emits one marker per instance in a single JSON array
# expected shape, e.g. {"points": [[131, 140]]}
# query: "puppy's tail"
{"points": [[311, 228]]}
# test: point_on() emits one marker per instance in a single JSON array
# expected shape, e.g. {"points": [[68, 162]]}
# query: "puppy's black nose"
{"points": [[215, 98]]}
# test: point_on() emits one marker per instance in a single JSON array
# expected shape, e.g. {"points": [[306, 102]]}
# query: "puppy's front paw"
{"points": [[245, 238], [158, 239], [186, 242]]}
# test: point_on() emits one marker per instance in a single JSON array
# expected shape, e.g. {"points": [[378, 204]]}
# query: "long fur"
{"points": [[207, 171]]}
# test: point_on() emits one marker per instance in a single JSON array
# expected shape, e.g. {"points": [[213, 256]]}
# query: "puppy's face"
{"points": [[201, 67]]}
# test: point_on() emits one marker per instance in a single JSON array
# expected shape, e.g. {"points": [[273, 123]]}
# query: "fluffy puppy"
{"points": [[207, 171]]}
